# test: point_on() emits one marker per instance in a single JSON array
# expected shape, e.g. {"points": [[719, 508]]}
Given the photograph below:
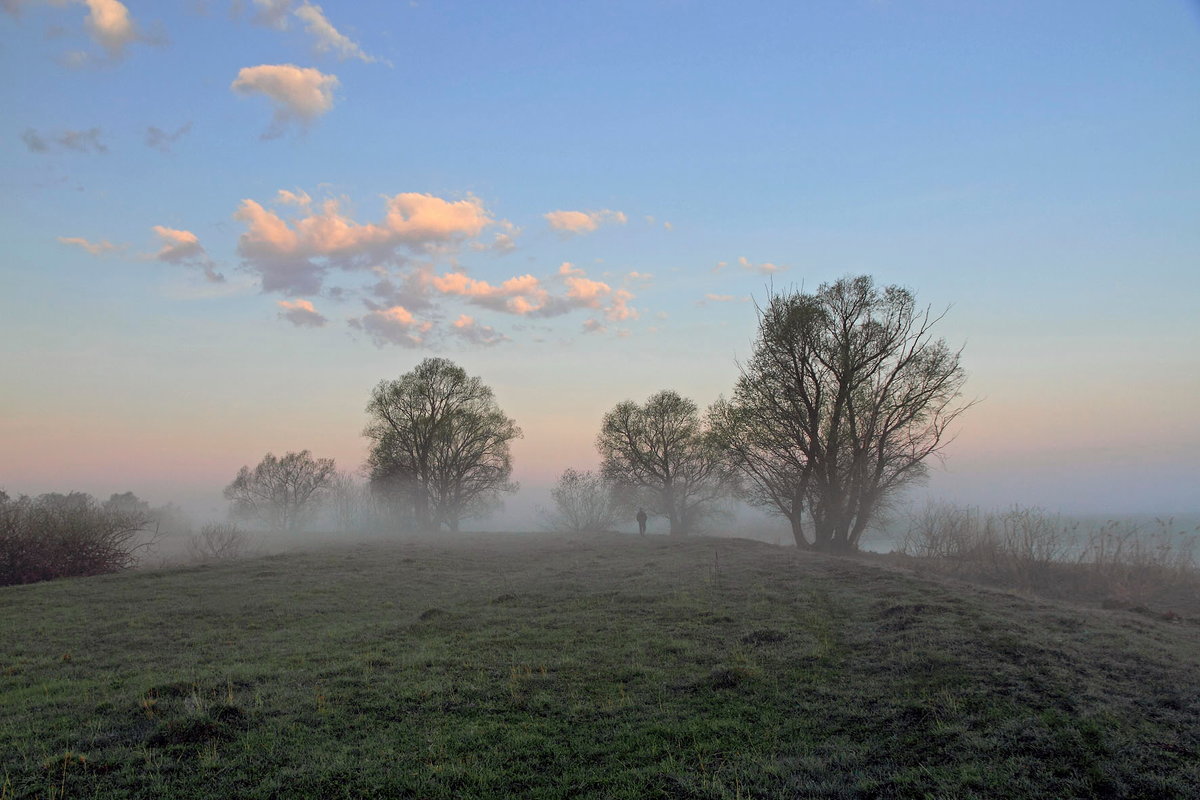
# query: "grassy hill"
{"points": [[539, 666]]}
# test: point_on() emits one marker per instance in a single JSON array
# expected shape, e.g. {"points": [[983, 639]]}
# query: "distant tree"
{"points": [[128, 502], [661, 456], [845, 397], [439, 445], [281, 493], [66, 535], [582, 503]]}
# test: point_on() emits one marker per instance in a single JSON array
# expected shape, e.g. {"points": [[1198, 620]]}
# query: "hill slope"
{"points": [[606, 667]]}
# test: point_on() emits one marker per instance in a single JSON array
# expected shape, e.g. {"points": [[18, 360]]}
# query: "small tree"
{"points": [[660, 456], [582, 503], [439, 445], [282, 493], [846, 396]]}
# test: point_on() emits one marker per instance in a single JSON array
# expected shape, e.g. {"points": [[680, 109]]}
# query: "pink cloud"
{"points": [[583, 221], [519, 295], [286, 252], [95, 248], [467, 328], [177, 245], [395, 325], [301, 313], [298, 94], [183, 248]]}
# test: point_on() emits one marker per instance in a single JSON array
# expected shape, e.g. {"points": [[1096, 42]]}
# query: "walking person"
{"points": [[641, 518]]}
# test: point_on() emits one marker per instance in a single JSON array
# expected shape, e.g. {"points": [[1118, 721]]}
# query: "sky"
{"points": [[222, 223]]}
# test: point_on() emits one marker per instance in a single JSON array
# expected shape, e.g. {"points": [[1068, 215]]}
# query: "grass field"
{"points": [[625, 667]]}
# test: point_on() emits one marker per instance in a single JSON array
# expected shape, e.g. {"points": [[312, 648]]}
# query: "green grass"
{"points": [[539, 666]]}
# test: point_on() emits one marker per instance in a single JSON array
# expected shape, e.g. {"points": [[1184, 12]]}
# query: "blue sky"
{"points": [[597, 189]]}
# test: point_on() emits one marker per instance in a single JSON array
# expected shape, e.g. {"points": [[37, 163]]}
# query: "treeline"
{"points": [[845, 397]]}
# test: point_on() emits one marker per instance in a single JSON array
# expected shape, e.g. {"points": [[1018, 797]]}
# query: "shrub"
{"points": [[60, 536], [582, 502], [217, 542]]}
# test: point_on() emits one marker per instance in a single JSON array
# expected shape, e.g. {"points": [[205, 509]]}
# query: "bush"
{"points": [[582, 502], [217, 542], [62, 536]]}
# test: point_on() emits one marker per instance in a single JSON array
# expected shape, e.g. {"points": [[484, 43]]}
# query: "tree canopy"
{"points": [[661, 456], [439, 444], [281, 493], [846, 396]]}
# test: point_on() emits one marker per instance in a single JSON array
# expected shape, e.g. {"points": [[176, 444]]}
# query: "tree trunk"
{"points": [[798, 531]]}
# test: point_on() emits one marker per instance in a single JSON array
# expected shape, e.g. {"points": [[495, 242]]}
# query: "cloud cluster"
{"points": [[80, 141], [527, 295], [577, 222], [298, 94], [293, 255]]}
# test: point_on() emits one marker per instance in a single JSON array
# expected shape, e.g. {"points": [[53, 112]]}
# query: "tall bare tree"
{"points": [[283, 492], [846, 396], [440, 443], [661, 456]]}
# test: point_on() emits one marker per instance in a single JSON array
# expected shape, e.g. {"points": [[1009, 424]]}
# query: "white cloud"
{"points": [[583, 221], [298, 94], [328, 39], [765, 268], [722, 298], [95, 248], [301, 313]]}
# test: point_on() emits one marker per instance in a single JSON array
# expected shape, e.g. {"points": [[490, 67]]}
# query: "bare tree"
{"points": [[661, 456], [283, 492], [845, 397], [440, 444], [582, 503]]}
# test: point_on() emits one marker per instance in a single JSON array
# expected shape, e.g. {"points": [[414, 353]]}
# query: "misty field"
{"points": [[613, 666]]}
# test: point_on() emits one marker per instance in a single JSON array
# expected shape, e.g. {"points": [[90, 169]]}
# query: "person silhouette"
{"points": [[641, 518]]}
